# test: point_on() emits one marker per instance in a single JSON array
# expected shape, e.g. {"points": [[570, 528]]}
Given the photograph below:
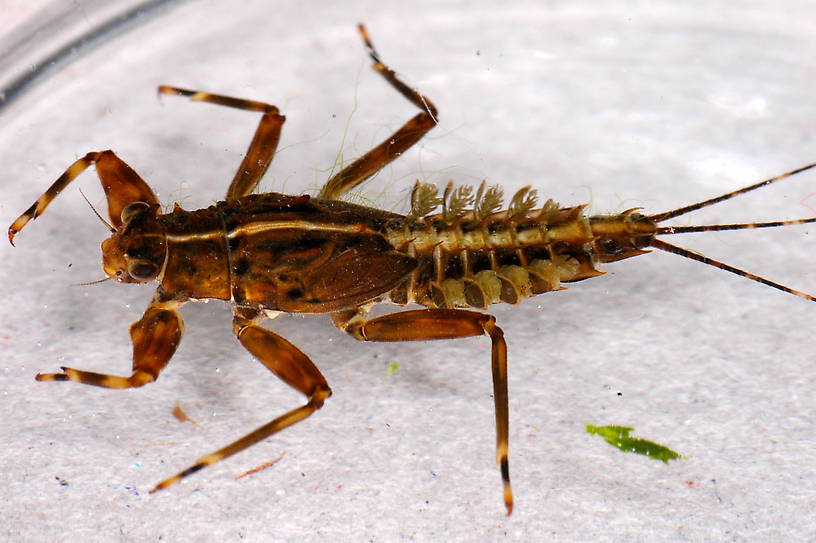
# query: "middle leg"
{"points": [[284, 360], [261, 150]]}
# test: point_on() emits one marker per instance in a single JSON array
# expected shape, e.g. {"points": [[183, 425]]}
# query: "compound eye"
{"points": [[133, 209], [142, 270]]}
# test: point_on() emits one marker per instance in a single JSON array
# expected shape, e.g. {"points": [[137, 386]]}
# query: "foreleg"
{"points": [[121, 183], [155, 338]]}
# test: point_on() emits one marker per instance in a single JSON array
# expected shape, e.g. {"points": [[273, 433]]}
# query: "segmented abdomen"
{"points": [[506, 256]]}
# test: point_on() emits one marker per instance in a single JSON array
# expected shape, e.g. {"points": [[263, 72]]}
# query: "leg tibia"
{"points": [[155, 338], [261, 150], [284, 360], [399, 142], [137, 379], [121, 183], [429, 324]]}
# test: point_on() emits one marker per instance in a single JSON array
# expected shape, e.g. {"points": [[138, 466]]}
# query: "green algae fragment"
{"points": [[391, 369], [618, 436]]}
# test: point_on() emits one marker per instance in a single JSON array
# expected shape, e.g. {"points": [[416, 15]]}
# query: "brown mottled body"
{"points": [[310, 255], [269, 253], [283, 253]]}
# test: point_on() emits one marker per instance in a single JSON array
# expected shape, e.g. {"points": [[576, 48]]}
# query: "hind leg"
{"points": [[399, 142]]}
